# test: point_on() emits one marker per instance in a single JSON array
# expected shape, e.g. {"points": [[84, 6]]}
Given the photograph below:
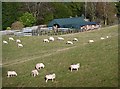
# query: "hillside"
{"points": [[99, 60]]}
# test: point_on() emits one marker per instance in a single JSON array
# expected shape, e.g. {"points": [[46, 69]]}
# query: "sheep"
{"points": [[75, 66], [11, 73], [34, 73], [75, 39], [91, 41], [51, 38], [60, 38], [102, 38], [107, 36], [50, 77], [10, 38], [20, 45], [18, 41], [45, 40], [5, 42], [39, 66], [69, 42]]}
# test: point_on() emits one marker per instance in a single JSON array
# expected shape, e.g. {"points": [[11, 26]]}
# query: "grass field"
{"points": [[99, 60]]}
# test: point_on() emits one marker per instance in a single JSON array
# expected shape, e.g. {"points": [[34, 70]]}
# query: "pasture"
{"points": [[99, 60]]}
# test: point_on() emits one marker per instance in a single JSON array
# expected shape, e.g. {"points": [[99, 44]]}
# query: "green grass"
{"points": [[99, 60]]}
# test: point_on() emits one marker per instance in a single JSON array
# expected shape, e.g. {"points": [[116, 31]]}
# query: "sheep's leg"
{"points": [[46, 80], [71, 69], [8, 76], [77, 69], [52, 80]]}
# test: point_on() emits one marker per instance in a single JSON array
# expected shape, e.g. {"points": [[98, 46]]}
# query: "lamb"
{"points": [[5, 42], [60, 38], [11, 73], [91, 41], [20, 45], [34, 73], [50, 77], [51, 39], [75, 66], [46, 40], [75, 39], [69, 42], [102, 38], [39, 66], [18, 41], [10, 38]]}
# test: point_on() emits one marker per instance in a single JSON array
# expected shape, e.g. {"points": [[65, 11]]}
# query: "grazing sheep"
{"points": [[5, 42], [45, 40], [18, 41], [34, 73], [11, 73], [75, 66], [39, 66], [102, 38], [50, 77], [60, 38], [10, 38], [75, 39], [51, 38], [20, 45], [107, 36], [69, 42], [91, 41]]}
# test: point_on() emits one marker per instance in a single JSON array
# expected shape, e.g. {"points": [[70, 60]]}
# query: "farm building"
{"points": [[74, 22]]}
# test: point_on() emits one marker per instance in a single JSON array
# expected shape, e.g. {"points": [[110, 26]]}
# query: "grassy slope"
{"points": [[98, 61]]}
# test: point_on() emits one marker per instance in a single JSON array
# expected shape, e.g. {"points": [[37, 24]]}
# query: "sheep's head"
{"points": [[54, 75]]}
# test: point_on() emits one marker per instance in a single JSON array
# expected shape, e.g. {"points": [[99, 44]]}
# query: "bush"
{"points": [[17, 25], [28, 19], [8, 28]]}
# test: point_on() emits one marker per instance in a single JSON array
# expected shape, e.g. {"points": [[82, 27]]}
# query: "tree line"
{"points": [[23, 14]]}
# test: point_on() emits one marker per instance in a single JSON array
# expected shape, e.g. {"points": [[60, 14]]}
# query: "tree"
{"points": [[107, 15], [61, 10], [10, 13], [28, 19], [118, 8], [38, 9], [77, 8], [91, 10]]}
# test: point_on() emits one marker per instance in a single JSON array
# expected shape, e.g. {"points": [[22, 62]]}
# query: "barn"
{"points": [[74, 22]]}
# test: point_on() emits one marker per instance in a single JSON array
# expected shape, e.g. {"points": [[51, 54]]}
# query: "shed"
{"points": [[74, 22]]}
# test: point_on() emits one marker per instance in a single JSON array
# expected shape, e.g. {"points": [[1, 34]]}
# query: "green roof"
{"points": [[68, 22]]}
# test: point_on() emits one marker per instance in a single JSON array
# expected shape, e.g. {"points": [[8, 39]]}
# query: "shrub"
{"points": [[8, 28], [28, 19], [17, 25]]}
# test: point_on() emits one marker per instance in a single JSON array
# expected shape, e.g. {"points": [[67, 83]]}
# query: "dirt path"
{"points": [[33, 58]]}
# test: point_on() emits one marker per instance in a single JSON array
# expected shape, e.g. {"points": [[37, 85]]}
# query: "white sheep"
{"points": [[51, 38], [75, 39], [18, 41], [75, 66], [39, 66], [107, 36], [34, 73], [69, 42], [10, 38], [20, 45], [50, 77], [102, 38], [45, 40], [91, 41], [5, 42], [60, 38], [11, 73]]}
